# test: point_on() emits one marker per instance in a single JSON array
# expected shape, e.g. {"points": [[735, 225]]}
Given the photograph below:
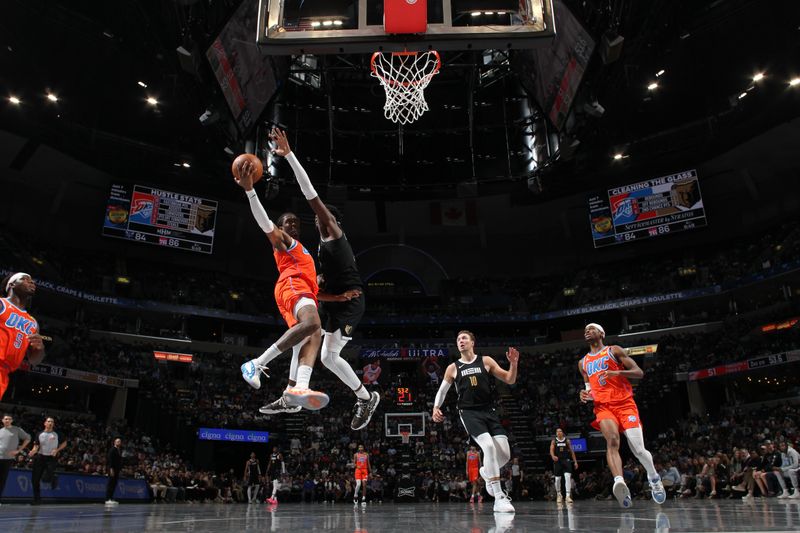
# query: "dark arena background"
{"points": [[632, 164]]}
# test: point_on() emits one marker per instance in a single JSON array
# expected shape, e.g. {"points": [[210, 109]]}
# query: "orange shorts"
{"points": [[472, 475], [624, 413], [361, 475], [287, 292]]}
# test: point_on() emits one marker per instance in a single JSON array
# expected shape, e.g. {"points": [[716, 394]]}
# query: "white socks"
{"points": [[497, 489], [303, 376], [271, 353], [558, 484]]}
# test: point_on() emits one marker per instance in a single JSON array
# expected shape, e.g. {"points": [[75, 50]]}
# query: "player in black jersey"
{"points": [[560, 452], [341, 297], [476, 409]]}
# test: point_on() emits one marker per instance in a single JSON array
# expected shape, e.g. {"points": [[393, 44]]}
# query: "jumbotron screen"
{"points": [[163, 218], [649, 208]]}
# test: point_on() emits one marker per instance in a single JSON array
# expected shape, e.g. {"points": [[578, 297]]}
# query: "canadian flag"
{"points": [[454, 213]]}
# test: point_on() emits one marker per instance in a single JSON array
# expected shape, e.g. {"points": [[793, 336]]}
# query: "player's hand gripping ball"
{"points": [[247, 167]]}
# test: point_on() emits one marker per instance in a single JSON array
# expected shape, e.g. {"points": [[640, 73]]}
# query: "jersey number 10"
{"points": [[473, 381]]}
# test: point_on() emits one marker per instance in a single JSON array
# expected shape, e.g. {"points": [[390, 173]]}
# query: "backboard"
{"points": [[395, 423], [295, 27]]}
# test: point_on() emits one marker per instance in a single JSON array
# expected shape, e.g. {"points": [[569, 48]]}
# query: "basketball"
{"points": [[240, 159]]}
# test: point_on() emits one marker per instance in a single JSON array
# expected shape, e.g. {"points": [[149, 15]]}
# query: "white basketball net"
{"points": [[404, 76]]}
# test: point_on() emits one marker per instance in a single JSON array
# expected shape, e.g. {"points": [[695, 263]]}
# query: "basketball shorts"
{"points": [[288, 292], [480, 421], [624, 413], [361, 475], [472, 475], [561, 467], [342, 315]]}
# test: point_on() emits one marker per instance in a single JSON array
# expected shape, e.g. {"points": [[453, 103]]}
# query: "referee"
{"points": [[45, 450], [10, 436]]}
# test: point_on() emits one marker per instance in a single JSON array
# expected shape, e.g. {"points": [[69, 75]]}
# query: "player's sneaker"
{"points": [[795, 495], [748, 498], [480, 498], [272, 500], [489, 490], [251, 372], [658, 492], [111, 502], [622, 494], [306, 398], [559, 498], [363, 411], [278, 406], [568, 499], [783, 495], [363, 503], [355, 501], [472, 499], [502, 504]]}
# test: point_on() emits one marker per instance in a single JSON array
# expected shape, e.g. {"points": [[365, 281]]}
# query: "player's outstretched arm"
{"points": [[447, 382], [346, 296], [328, 226], [276, 236], [508, 376]]}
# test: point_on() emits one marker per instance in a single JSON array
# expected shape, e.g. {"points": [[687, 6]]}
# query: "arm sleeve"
{"points": [[302, 177], [259, 213], [441, 393]]}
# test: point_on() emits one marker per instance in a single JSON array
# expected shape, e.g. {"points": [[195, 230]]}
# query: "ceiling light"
{"points": [[758, 76], [337, 22], [152, 101], [316, 24], [186, 165], [652, 87], [476, 13], [742, 95], [618, 156], [488, 12], [660, 73], [327, 23], [794, 81], [52, 97], [501, 12], [142, 84], [14, 100]]}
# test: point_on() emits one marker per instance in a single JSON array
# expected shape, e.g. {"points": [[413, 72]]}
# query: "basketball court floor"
{"points": [[595, 516]]}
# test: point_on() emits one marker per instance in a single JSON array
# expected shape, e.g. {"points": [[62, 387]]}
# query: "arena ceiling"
{"points": [[93, 55]]}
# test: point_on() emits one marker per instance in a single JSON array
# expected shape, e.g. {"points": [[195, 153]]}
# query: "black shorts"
{"points": [[561, 467], [480, 421], [342, 315]]}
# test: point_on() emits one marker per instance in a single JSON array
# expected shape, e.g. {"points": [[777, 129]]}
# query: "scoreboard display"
{"points": [[647, 209], [163, 218], [404, 396]]}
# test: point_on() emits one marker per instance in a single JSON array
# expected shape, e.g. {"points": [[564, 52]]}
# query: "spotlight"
{"points": [[187, 165], [337, 22], [488, 13], [142, 84], [316, 24], [618, 156], [476, 13], [742, 95], [14, 100], [327, 23], [758, 76], [794, 82], [52, 97], [652, 87], [660, 73], [152, 101]]}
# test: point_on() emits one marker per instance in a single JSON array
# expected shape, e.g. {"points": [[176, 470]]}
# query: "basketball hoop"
{"points": [[404, 76], [405, 436]]}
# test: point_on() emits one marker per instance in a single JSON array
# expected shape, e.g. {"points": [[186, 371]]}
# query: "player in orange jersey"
{"points": [[296, 296], [473, 469], [361, 460], [19, 331], [605, 371]]}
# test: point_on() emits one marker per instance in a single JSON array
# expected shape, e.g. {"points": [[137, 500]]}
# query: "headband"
{"points": [[14, 279], [598, 327]]}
